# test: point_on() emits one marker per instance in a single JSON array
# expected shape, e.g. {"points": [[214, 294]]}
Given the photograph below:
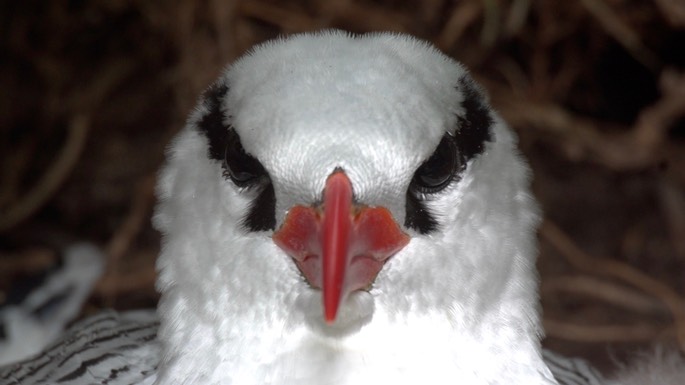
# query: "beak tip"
{"points": [[330, 319], [331, 303], [330, 314]]}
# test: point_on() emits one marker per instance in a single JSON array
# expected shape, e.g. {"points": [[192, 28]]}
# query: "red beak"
{"points": [[340, 247]]}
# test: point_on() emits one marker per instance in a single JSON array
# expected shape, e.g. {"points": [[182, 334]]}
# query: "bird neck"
{"points": [[424, 347]]}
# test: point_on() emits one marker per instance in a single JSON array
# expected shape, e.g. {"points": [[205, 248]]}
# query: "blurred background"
{"points": [[91, 92]]}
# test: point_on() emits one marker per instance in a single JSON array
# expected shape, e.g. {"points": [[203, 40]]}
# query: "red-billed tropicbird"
{"points": [[339, 209], [347, 210]]}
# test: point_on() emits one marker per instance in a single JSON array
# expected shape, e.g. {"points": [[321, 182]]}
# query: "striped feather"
{"points": [[109, 348], [571, 371]]}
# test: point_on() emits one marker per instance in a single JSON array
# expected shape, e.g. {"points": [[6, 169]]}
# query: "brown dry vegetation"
{"points": [[91, 93]]}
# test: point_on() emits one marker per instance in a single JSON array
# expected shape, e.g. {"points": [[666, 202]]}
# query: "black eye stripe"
{"points": [[212, 123], [261, 215], [417, 215], [472, 131], [474, 127]]}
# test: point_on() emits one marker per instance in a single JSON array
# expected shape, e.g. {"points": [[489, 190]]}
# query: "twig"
{"points": [[492, 22], [621, 32], [122, 239], [637, 148], [583, 261], [463, 15], [654, 121], [431, 11], [286, 20], [30, 260], [580, 136], [673, 207], [673, 11], [517, 16], [53, 178], [137, 215], [11, 172], [364, 17], [605, 333], [606, 291], [112, 286]]}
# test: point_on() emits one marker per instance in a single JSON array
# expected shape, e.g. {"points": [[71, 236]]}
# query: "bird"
{"points": [[271, 270], [338, 209]]}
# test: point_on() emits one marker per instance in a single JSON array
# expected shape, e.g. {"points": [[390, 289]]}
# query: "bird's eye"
{"points": [[243, 169], [437, 171]]}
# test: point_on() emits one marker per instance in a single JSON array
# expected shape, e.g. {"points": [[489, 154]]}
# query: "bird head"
{"points": [[332, 196]]}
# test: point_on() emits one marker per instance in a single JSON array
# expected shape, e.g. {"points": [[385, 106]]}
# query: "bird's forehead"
{"points": [[334, 101]]}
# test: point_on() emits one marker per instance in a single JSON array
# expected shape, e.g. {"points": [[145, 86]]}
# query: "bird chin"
{"points": [[353, 314]]}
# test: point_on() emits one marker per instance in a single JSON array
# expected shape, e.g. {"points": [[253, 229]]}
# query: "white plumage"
{"points": [[457, 304]]}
